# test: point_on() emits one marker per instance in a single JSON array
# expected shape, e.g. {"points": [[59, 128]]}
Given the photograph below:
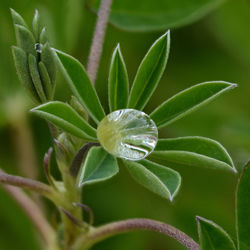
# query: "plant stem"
{"points": [[30, 184], [71, 230], [34, 213], [70, 195], [98, 39], [98, 234]]}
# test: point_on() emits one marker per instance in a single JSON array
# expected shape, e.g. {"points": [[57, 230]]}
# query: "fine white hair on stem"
{"points": [[98, 39]]}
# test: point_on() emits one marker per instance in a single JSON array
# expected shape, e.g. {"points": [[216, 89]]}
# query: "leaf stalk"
{"points": [[101, 233]]}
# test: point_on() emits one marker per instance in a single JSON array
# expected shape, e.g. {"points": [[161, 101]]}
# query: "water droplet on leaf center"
{"points": [[128, 134]]}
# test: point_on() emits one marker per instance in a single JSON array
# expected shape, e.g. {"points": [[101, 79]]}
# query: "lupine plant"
{"points": [[91, 145]]}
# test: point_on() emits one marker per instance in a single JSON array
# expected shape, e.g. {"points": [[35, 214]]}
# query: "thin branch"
{"points": [[106, 231], [98, 39], [30, 184], [34, 213]]}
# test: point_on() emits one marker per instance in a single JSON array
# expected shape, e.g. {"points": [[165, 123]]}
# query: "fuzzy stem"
{"points": [[106, 231], [98, 39], [34, 213], [30, 184]]}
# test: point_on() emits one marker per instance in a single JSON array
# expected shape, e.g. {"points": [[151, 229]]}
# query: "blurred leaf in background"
{"points": [[142, 15]]}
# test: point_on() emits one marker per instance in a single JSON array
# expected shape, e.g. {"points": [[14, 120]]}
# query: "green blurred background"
{"points": [[215, 46]]}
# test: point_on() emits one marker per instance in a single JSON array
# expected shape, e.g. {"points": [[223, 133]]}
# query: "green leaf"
{"points": [[17, 19], [157, 178], [98, 166], [65, 117], [148, 15], [46, 80], [243, 209], [25, 39], [118, 82], [22, 67], [36, 25], [43, 36], [188, 100], [47, 57], [36, 77], [77, 106], [193, 151], [149, 72], [81, 85], [66, 147], [212, 236]]}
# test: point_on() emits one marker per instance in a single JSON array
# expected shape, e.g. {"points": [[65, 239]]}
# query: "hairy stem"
{"points": [[106, 231], [30, 184], [98, 39], [34, 213]]}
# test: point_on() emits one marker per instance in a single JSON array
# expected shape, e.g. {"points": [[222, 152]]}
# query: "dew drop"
{"points": [[38, 47], [128, 133]]}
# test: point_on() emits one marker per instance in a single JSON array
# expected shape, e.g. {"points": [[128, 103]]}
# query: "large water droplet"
{"points": [[128, 134]]}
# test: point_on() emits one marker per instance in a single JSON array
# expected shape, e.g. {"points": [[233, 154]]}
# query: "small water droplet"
{"points": [[128, 134], [38, 47]]}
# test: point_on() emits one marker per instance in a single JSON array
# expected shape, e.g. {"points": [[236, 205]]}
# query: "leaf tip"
{"points": [[117, 50], [13, 12], [167, 32], [230, 84], [36, 109], [234, 85], [171, 198], [235, 170], [118, 46], [166, 36], [33, 110], [80, 184], [198, 218], [199, 221]]}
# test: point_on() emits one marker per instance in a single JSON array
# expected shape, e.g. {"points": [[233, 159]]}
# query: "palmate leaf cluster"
{"points": [[99, 165]]}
